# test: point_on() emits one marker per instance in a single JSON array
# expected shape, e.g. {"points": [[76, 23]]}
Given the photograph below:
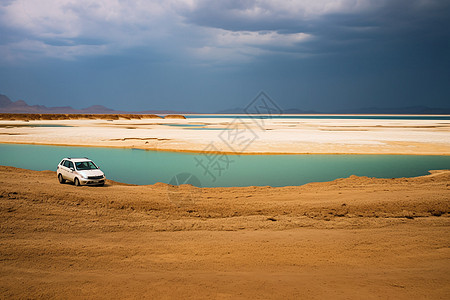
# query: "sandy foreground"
{"points": [[356, 237], [241, 135]]}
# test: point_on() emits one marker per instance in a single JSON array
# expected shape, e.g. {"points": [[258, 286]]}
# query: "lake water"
{"points": [[149, 167], [330, 117]]}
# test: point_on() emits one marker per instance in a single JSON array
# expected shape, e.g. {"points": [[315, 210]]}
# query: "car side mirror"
{"points": [[72, 169]]}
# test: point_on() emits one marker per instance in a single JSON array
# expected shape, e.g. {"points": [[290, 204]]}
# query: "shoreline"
{"points": [[323, 115], [224, 152], [431, 173], [150, 114], [354, 181]]}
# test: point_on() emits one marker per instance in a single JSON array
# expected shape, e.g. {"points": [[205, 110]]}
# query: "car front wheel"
{"points": [[77, 182], [61, 179]]}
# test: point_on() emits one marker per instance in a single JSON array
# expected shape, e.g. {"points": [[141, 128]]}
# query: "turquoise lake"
{"points": [[330, 117], [149, 167]]}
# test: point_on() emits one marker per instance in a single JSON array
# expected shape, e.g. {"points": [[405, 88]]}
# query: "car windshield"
{"points": [[85, 165]]}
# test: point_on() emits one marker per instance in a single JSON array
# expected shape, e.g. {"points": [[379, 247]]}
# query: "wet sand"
{"points": [[276, 136], [356, 237]]}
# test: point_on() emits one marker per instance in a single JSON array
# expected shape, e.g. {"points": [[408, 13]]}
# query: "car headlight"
{"points": [[84, 176]]}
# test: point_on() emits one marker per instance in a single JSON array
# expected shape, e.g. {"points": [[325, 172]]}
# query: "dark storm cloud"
{"points": [[396, 22], [205, 56]]}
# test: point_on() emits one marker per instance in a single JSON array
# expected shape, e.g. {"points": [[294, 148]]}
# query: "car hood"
{"points": [[91, 173]]}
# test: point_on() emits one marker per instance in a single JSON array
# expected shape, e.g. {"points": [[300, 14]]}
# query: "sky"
{"points": [[206, 56]]}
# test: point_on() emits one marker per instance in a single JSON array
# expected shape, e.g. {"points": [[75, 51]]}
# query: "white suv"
{"points": [[80, 171]]}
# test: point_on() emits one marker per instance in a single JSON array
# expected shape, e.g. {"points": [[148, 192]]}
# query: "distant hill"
{"points": [[239, 110], [4, 101], [20, 106], [412, 110]]}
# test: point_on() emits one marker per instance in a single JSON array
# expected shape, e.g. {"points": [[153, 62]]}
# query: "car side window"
{"points": [[71, 165], [66, 163], [62, 163]]}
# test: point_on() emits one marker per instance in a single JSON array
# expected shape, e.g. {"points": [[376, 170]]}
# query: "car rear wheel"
{"points": [[77, 182], [61, 179]]}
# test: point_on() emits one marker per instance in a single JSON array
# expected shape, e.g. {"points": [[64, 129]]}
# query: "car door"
{"points": [[63, 169], [70, 170]]}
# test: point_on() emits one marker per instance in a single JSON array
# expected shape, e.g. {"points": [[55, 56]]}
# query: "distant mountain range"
{"points": [[411, 110], [20, 106], [239, 110]]}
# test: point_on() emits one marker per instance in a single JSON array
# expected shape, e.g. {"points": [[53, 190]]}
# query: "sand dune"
{"points": [[41, 117], [356, 237], [174, 117]]}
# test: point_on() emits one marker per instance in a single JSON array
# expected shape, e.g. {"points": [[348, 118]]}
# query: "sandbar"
{"points": [[240, 136]]}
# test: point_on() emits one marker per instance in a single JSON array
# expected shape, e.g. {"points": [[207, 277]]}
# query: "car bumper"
{"points": [[92, 181]]}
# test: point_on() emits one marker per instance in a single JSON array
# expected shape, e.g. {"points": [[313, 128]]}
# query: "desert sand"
{"points": [[230, 135], [356, 237]]}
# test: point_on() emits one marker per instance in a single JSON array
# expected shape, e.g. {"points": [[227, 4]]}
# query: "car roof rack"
{"points": [[77, 157]]}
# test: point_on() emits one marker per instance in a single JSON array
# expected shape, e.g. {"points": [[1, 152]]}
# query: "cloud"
{"points": [[200, 30], [269, 15], [68, 29], [52, 27], [231, 38], [325, 20], [34, 49], [239, 46], [74, 18]]}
